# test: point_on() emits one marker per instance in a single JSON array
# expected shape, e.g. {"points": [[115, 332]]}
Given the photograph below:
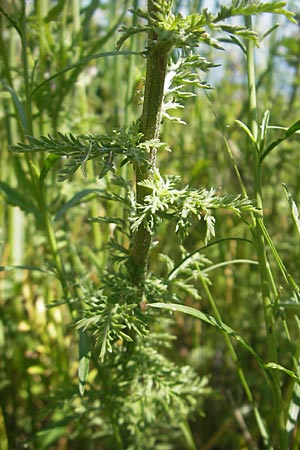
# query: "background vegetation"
{"points": [[53, 255]]}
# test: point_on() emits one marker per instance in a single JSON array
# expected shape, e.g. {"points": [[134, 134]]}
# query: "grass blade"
{"points": [[211, 321], [289, 132], [84, 360], [294, 209]]}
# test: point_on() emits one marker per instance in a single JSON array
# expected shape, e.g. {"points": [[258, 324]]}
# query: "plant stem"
{"points": [[235, 359], [28, 109], [130, 77], [42, 9], [38, 188], [261, 250], [150, 127]]}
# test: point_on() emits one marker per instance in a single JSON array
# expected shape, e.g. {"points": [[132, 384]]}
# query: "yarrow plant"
{"points": [[144, 397]]}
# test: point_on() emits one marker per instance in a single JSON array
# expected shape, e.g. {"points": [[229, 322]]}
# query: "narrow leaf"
{"points": [[185, 428], [246, 129], [228, 263], [264, 129], [294, 406], [84, 360], [85, 194], [290, 373], [290, 306], [25, 267], [293, 206], [12, 21], [55, 11], [173, 271], [84, 61], [211, 321], [18, 105], [269, 31], [238, 42], [48, 164], [15, 198], [289, 132]]}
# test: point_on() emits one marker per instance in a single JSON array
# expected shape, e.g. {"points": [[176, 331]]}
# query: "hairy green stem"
{"points": [[261, 251], [150, 127]]}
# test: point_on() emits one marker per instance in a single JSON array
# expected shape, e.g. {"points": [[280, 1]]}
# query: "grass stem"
{"points": [[235, 359], [264, 270]]}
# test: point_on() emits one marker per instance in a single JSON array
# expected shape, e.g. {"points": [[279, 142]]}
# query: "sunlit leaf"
{"points": [[211, 321]]}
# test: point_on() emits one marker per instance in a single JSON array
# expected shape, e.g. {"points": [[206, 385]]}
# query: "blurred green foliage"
{"points": [[62, 84]]}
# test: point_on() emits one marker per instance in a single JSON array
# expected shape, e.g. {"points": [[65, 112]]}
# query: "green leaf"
{"points": [[85, 147], [26, 267], [15, 198], [239, 31], [12, 21], [82, 62], [85, 194], [55, 11], [49, 436], [269, 31], [293, 206], [48, 164], [246, 129], [84, 359], [248, 8], [264, 129], [238, 42], [290, 306], [174, 269], [185, 428], [211, 321], [228, 263], [294, 406], [18, 105], [166, 202], [289, 132], [129, 32], [276, 255], [290, 373]]}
